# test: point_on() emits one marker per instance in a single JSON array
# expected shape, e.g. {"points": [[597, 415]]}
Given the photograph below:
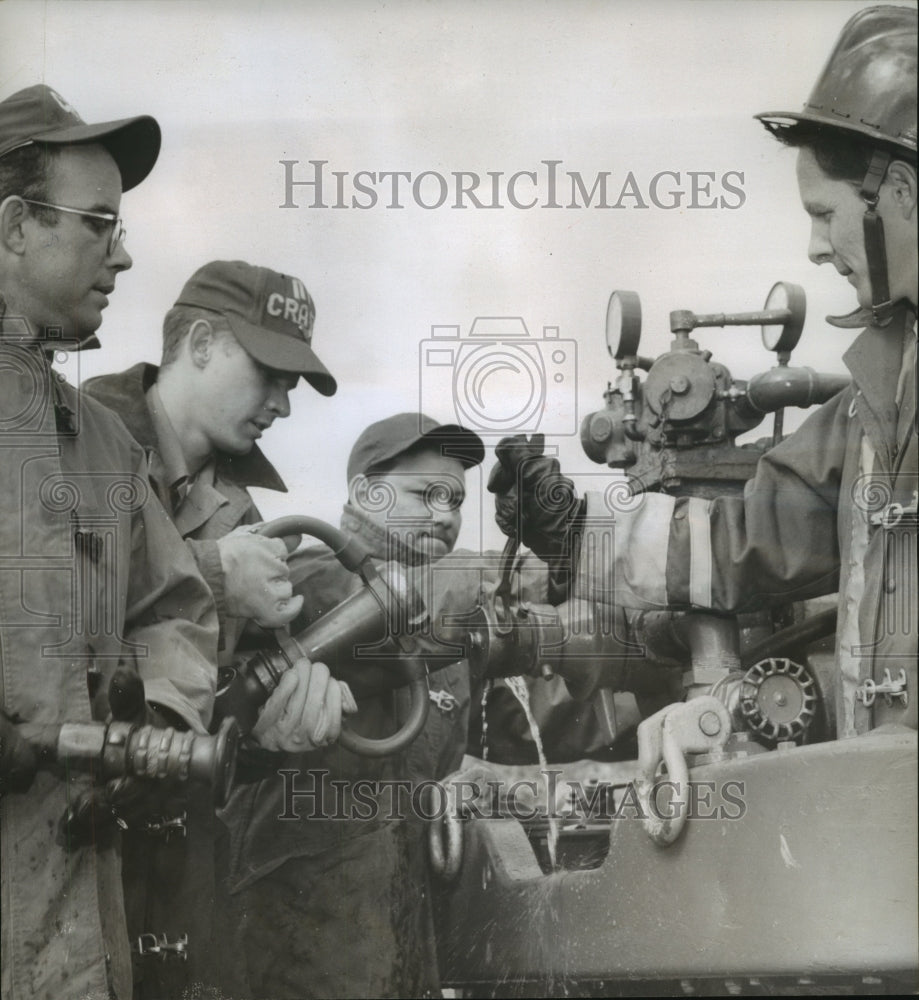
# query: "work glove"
{"points": [[256, 578], [304, 712], [126, 802], [534, 502], [18, 762]]}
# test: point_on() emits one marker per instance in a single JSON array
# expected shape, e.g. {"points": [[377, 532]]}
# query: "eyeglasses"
{"points": [[118, 232]]}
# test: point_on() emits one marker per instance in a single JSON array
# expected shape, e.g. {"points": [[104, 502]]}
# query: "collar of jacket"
{"points": [[125, 393], [381, 543], [875, 359], [46, 383]]}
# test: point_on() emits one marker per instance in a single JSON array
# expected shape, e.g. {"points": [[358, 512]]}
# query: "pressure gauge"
{"points": [[789, 304], [623, 324]]}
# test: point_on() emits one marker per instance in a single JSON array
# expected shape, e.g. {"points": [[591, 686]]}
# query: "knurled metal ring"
{"points": [[183, 764], [778, 699], [158, 766], [139, 751]]}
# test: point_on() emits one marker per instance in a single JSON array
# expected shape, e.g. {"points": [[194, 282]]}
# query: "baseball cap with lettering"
{"points": [[385, 440], [270, 314], [40, 115]]}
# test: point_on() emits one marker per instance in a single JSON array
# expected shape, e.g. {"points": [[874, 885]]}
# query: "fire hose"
{"points": [[368, 635]]}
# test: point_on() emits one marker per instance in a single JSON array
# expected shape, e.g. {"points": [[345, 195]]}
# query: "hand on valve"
{"points": [[534, 502], [305, 710]]}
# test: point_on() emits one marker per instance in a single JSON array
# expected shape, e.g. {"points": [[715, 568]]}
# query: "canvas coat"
{"points": [[174, 887], [208, 512], [833, 507], [92, 574]]}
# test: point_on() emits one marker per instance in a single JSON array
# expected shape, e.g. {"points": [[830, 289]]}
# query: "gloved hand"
{"points": [[534, 502], [127, 802], [304, 711], [126, 696], [18, 761], [128, 703], [256, 578], [139, 805]]}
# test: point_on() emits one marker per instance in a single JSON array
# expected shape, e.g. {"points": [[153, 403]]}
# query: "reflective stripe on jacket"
{"points": [[817, 517]]}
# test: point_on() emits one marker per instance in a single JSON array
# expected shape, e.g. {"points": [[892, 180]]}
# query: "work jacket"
{"points": [[174, 888], [92, 574], [208, 511], [833, 507]]}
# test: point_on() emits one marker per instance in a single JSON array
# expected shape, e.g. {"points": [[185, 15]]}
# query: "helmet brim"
{"points": [[778, 122]]}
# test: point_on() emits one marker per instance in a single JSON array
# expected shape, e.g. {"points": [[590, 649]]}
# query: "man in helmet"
{"points": [[858, 128], [833, 506]]}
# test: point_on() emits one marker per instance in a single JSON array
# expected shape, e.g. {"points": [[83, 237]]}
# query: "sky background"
{"points": [[449, 86]]}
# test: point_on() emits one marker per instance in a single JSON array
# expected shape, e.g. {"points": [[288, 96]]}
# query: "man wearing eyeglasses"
{"points": [[93, 577]]}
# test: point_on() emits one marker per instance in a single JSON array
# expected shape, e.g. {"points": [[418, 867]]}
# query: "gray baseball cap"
{"points": [[270, 314], [387, 439], [40, 115]]}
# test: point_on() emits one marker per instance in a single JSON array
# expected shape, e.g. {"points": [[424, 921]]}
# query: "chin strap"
{"points": [[858, 319], [875, 246], [881, 311], [90, 343]]}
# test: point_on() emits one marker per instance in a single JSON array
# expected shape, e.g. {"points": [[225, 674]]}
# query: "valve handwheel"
{"points": [[778, 699]]}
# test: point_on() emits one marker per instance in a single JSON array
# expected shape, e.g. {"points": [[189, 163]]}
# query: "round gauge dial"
{"points": [[623, 324], [783, 337]]}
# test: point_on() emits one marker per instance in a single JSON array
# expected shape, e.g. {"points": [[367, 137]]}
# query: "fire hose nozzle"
{"points": [[124, 749], [368, 641]]}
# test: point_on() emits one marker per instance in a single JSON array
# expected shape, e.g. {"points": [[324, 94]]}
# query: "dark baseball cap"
{"points": [[270, 314], [40, 115], [387, 439]]}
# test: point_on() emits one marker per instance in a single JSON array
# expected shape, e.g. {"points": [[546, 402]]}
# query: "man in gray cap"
{"points": [[301, 888], [92, 575], [235, 344]]}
